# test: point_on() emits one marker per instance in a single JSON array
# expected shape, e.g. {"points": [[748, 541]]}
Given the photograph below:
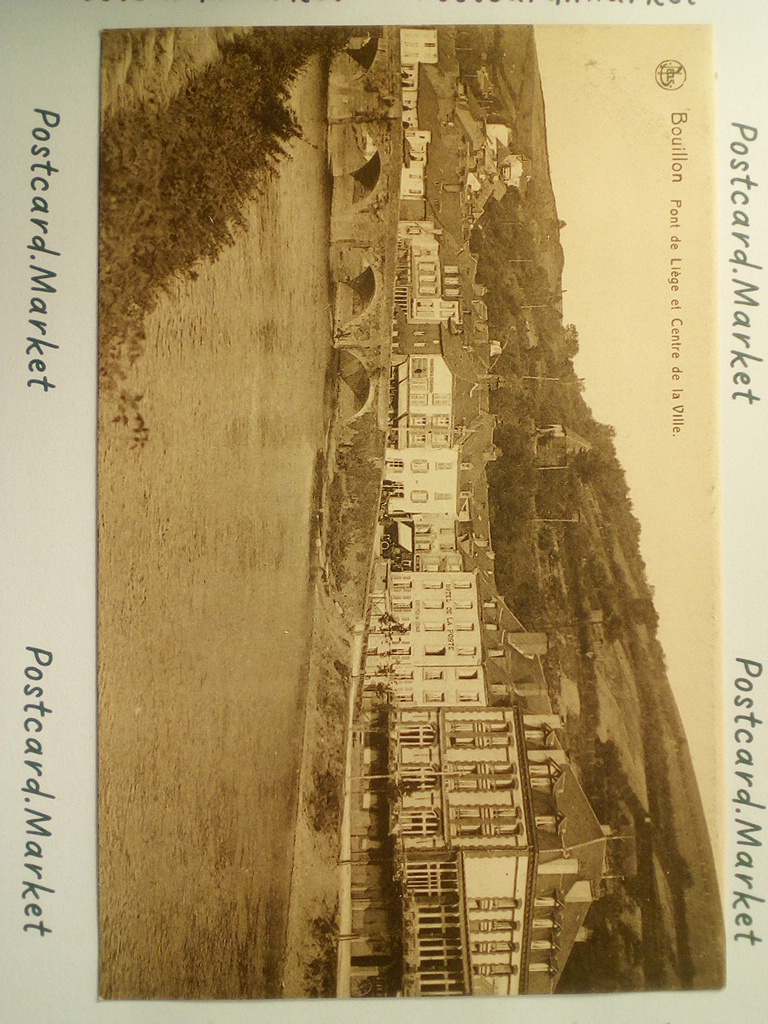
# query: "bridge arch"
{"points": [[364, 52], [354, 298], [366, 178]]}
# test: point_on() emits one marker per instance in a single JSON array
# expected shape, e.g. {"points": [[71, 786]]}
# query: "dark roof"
{"points": [[581, 826], [582, 837], [471, 127], [474, 107]]}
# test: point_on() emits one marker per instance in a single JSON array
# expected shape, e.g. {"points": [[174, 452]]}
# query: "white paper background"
{"points": [[50, 58]]}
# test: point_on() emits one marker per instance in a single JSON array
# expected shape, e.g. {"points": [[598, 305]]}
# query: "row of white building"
{"points": [[466, 811]]}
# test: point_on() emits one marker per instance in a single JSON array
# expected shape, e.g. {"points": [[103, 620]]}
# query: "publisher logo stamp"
{"points": [[670, 75]]}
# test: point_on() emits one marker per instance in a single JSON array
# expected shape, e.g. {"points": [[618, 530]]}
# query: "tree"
{"points": [[571, 340]]}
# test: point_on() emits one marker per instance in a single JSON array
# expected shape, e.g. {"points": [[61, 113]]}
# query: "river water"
{"points": [[204, 610]]}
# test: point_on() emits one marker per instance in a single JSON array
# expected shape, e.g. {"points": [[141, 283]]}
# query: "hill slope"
{"points": [[569, 563]]}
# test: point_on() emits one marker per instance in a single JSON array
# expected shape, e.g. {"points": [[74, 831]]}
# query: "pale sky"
{"points": [[610, 131]]}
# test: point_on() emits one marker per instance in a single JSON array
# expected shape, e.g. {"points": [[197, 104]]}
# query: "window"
{"points": [[468, 830], [498, 926], [444, 465], [491, 970], [419, 497], [479, 734], [416, 735], [463, 603], [395, 464], [546, 822], [463, 584], [419, 465], [402, 604], [484, 776], [441, 400], [416, 822], [433, 673], [432, 603], [433, 698], [495, 820], [468, 673], [434, 627], [418, 399], [443, 496], [468, 696], [441, 420], [497, 946], [441, 440], [466, 652], [432, 878], [433, 585], [424, 776], [433, 650], [493, 903], [465, 627]]}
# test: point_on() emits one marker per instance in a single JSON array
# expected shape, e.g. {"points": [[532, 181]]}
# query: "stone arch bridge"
{"points": [[365, 139]]}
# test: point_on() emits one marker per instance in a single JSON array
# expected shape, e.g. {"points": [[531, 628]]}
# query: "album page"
{"points": [[384, 445]]}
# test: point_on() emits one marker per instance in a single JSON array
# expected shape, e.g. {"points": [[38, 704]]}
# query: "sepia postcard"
{"points": [[408, 656], [384, 458]]}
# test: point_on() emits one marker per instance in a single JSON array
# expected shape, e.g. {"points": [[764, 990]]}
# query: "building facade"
{"points": [[424, 645], [418, 46], [421, 480], [421, 403], [494, 891]]}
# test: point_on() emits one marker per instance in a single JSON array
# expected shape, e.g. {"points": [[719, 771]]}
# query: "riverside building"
{"points": [[474, 854], [497, 849], [491, 854], [424, 644], [421, 403]]}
